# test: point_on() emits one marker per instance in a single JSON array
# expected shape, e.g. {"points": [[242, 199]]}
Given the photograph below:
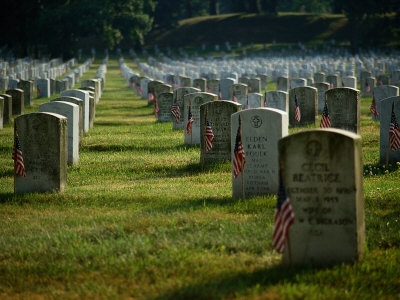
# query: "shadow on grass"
{"points": [[241, 284], [152, 149], [379, 169]]}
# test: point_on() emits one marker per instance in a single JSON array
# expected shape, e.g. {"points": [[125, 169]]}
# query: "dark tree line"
{"points": [[60, 27]]}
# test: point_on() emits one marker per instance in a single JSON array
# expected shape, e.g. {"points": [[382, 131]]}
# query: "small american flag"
{"points": [[175, 86], [367, 87], [239, 158], [331, 85], [208, 137], [219, 95], [139, 90], [325, 119], [279, 85], [176, 111], [189, 122], [38, 90], [208, 90], [182, 84], [297, 114], [394, 132], [284, 218], [250, 90], [265, 99], [373, 109], [156, 109], [19, 167], [234, 99], [380, 82], [150, 96]]}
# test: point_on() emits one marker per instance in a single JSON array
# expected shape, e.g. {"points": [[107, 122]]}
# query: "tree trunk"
{"points": [[213, 7]]}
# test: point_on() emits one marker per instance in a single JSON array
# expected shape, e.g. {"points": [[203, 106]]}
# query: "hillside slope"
{"points": [[264, 28]]}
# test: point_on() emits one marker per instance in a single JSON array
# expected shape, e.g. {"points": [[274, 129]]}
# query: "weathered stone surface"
{"points": [[278, 100], [194, 101], [213, 86], [255, 100], [240, 91], [333, 80], [18, 106], [350, 82], [179, 94], [254, 85], [322, 174], [261, 130], [200, 83], [78, 102], [27, 87], [344, 108], [382, 92], [308, 104], [84, 96], [224, 85], [219, 116], [385, 119], [185, 81], [298, 82], [43, 88], [319, 77], [283, 84], [71, 112], [1, 112], [165, 101], [7, 109], [321, 87], [43, 138]]}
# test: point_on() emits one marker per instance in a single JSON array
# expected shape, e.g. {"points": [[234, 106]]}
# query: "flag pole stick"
{"points": [[242, 160], [388, 144], [191, 130], [289, 250], [15, 161], [204, 139]]}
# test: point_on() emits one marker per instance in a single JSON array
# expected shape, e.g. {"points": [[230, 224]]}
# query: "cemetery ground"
{"points": [[139, 218]]}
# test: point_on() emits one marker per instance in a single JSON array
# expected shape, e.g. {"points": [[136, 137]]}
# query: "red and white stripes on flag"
{"points": [[394, 132], [219, 95], [367, 87], [325, 118], [189, 122], [373, 109], [208, 137], [284, 218], [19, 167], [297, 115], [176, 111], [234, 99], [150, 96], [156, 109], [239, 158]]}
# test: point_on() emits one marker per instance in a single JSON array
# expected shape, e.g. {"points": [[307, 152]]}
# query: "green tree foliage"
{"points": [[59, 26]]}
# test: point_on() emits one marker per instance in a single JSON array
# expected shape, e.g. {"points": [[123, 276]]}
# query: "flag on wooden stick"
{"points": [[373, 109], [19, 167], [325, 118], [176, 111], [394, 132], [189, 122], [239, 158], [284, 218], [297, 114], [208, 137]]}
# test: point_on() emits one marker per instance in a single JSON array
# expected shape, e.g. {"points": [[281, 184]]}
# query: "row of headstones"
{"points": [[13, 101], [50, 138], [292, 66], [323, 180], [29, 69]]}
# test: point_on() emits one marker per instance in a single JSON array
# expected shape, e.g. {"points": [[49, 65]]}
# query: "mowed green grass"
{"points": [[140, 219]]}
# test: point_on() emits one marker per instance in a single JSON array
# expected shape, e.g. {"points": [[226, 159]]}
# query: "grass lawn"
{"points": [[140, 219]]}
